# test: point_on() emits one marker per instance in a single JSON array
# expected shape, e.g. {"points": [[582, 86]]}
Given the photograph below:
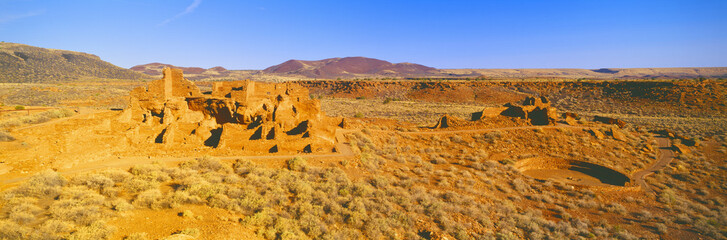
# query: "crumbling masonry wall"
{"points": [[240, 115], [536, 110]]}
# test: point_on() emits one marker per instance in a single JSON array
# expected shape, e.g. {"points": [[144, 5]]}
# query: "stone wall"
{"points": [[241, 115]]}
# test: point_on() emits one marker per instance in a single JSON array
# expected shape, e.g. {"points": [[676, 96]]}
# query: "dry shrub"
{"points": [[54, 230], [201, 188], [94, 181], [206, 164], [193, 232], [121, 205], [661, 228], [96, 230], [148, 198], [6, 137], [47, 206], [136, 185], [137, 236], [117, 175], [46, 183], [67, 210], [243, 167], [616, 208], [36, 118], [12, 230], [297, 164], [24, 213], [150, 172]]}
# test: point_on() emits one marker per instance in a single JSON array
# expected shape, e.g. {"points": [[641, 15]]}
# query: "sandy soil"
{"points": [[212, 223]]}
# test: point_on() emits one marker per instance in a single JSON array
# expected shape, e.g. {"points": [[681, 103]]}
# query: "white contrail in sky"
{"points": [[10, 18], [188, 10]]}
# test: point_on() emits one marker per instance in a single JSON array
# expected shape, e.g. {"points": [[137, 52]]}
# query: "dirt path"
{"points": [[666, 155]]}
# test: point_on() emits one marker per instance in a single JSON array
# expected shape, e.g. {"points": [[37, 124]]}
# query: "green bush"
{"points": [[19, 107]]}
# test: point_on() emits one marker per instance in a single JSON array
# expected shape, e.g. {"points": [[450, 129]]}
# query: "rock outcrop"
{"points": [[681, 148], [596, 133], [617, 134], [247, 115], [447, 121], [570, 118], [536, 110], [688, 141], [608, 120], [488, 113]]}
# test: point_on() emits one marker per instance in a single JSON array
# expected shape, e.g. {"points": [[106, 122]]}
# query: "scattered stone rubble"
{"points": [[534, 110]]}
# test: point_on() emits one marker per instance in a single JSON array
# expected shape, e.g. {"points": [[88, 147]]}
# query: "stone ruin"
{"points": [[242, 115], [536, 110], [533, 110], [447, 121]]}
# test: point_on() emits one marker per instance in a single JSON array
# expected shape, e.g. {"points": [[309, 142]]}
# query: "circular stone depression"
{"points": [[571, 171]]}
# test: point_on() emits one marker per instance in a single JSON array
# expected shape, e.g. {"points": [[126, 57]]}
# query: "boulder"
{"points": [[608, 120], [681, 148], [648, 148], [488, 113], [596, 133], [449, 121], [570, 118], [617, 134]]}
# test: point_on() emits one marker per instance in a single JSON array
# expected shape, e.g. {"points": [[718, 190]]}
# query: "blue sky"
{"points": [[256, 34]]}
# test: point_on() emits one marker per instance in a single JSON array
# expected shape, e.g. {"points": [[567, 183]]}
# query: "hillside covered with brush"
{"points": [[21, 63]]}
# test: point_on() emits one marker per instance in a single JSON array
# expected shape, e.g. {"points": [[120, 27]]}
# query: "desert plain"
{"points": [[314, 149]]}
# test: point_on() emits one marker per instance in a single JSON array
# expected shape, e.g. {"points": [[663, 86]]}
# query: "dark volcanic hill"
{"points": [[21, 63], [349, 67]]}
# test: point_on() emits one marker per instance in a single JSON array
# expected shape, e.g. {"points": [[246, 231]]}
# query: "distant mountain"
{"points": [[156, 69], [349, 67], [603, 73], [192, 73], [21, 63]]}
